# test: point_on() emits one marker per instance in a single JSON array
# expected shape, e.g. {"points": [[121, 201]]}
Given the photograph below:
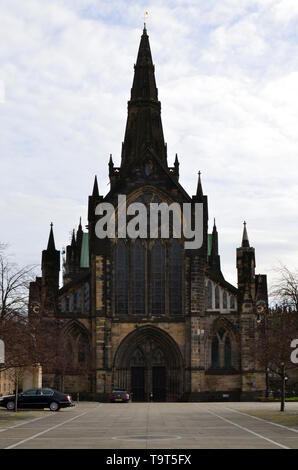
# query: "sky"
{"points": [[227, 76]]}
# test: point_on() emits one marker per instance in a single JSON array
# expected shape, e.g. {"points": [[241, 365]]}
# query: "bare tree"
{"points": [[276, 329], [14, 326], [14, 286], [285, 288]]}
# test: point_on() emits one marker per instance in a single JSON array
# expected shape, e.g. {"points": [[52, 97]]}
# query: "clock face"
{"points": [[35, 307], [261, 306]]}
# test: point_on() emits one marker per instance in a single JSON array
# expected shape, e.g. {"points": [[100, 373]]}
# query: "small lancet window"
{"points": [[209, 288], [215, 353], [224, 300], [228, 353], [217, 302]]}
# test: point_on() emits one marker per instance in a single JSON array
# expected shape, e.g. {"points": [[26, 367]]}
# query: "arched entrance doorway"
{"points": [[148, 361]]}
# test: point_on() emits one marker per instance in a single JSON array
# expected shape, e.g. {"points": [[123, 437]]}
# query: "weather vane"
{"points": [[146, 14]]}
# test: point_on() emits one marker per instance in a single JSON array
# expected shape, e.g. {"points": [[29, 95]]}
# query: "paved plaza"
{"points": [[153, 426]]}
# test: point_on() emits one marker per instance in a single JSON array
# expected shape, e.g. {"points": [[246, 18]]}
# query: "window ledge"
{"points": [[222, 372]]}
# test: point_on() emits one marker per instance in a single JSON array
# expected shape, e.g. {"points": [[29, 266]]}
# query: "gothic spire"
{"points": [[199, 187], [80, 235], [245, 241], [214, 247], [95, 187], [51, 243], [214, 258], [144, 126], [144, 85], [73, 240]]}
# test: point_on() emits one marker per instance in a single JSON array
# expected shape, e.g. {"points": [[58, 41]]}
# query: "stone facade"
{"points": [[149, 315]]}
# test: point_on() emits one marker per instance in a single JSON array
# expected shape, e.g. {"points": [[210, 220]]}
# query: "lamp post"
{"points": [[283, 387], [262, 311]]}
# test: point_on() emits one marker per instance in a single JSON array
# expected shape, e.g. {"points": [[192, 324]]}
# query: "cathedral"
{"points": [[149, 315]]}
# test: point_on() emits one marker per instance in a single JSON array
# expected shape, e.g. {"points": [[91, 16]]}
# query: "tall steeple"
{"points": [[199, 187], [245, 241], [246, 269], [51, 243], [50, 267], [214, 258], [144, 127], [95, 191]]}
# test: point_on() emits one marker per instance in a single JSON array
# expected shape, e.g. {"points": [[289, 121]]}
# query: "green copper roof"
{"points": [[84, 262], [209, 243]]}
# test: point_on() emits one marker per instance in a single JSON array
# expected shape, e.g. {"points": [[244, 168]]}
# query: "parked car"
{"points": [[119, 395], [38, 398]]}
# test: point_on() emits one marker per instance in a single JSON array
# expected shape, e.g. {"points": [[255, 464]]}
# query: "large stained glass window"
{"points": [[121, 278], [157, 278], [137, 270], [175, 277]]}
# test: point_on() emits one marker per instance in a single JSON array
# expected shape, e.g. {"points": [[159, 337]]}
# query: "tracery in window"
{"points": [[175, 277], [137, 276], [121, 278], [157, 278]]}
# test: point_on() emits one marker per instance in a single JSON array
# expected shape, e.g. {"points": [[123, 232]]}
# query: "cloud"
{"points": [[227, 78]]}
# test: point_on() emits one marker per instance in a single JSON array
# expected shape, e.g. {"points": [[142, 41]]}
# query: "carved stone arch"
{"points": [[76, 336], [75, 327], [226, 334], [162, 372], [223, 323]]}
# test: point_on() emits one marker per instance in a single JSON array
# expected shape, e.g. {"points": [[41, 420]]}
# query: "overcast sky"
{"points": [[227, 74]]}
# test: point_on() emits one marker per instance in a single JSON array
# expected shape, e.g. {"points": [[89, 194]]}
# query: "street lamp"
{"points": [[283, 387], [261, 308]]}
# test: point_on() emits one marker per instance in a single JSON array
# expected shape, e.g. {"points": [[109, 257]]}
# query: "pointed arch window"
{"points": [[209, 293], [79, 300], [228, 354], [217, 302], [121, 278], [157, 277], [71, 302], [87, 296], [175, 277], [138, 277], [215, 353], [224, 300], [232, 302], [63, 305]]}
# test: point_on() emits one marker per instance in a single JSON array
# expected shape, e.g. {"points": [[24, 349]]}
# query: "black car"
{"points": [[119, 395], [38, 398]]}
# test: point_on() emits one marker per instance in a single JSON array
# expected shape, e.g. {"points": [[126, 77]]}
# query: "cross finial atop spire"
{"points": [[199, 187], [146, 14], [245, 241], [51, 242]]}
